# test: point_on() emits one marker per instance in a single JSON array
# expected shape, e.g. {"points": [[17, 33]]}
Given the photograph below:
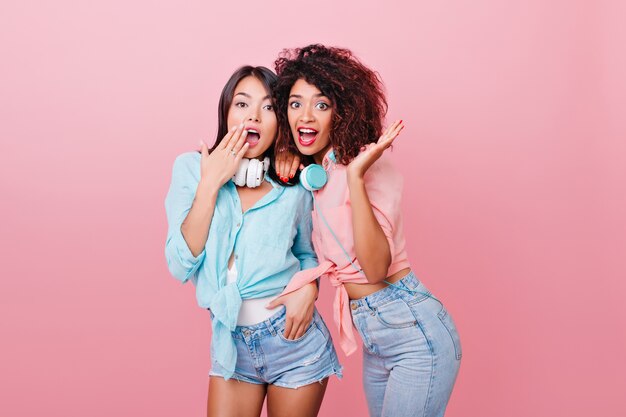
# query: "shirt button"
{"points": [[236, 256], [238, 224]]}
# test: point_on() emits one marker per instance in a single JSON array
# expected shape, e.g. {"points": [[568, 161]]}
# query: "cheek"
{"points": [[232, 119]]}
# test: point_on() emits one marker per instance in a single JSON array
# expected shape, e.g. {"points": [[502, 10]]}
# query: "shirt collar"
{"points": [[329, 160]]}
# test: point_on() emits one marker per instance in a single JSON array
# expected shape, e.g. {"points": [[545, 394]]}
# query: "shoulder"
{"points": [[188, 161], [298, 195]]}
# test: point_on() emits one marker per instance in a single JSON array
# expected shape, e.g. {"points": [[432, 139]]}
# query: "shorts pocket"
{"points": [[312, 327], [448, 323], [395, 314]]}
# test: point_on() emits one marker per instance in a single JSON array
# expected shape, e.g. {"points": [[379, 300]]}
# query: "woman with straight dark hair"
{"points": [[330, 109], [240, 234]]}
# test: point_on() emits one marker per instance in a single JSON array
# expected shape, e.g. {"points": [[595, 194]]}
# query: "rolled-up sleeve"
{"points": [[302, 246], [185, 176]]}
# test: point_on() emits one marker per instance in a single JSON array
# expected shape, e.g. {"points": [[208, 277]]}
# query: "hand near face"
{"points": [[359, 165], [220, 165]]}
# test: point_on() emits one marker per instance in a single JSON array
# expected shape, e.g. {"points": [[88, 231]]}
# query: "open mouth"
{"points": [[306, 136], [253, 137]]}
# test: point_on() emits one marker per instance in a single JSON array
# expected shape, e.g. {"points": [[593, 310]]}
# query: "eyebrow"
{"points": [[249, 96], [315, 95]]}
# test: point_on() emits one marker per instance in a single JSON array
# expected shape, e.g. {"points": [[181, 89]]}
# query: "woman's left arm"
{"points": [[371, 245]]}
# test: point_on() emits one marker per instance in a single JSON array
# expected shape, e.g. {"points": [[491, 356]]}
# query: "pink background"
{"points": [[514, 158]]}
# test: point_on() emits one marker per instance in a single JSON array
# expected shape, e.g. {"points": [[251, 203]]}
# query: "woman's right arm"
{"points": [[189, 211]]}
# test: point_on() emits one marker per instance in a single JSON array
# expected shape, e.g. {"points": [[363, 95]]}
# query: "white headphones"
{"points": [[251, 172]]}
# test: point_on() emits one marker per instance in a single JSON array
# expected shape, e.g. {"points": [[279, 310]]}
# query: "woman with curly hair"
{"points": [[330, 109]]}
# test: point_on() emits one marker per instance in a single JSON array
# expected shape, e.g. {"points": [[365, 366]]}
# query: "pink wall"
{"points": [[513, 153]]}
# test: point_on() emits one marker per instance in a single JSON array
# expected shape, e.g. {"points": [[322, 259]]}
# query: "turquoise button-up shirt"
{"points": [[271, 242]]}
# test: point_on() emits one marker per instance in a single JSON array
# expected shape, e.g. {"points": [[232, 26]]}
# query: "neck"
{"points": [[319, 157]]}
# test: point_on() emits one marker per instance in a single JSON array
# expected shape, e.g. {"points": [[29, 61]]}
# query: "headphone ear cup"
{"points": [[240, 175], [313, 177], [251, 176]]}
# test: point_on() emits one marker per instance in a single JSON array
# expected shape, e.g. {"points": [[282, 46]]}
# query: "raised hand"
{"points": [[220, 165], [359, 165]]}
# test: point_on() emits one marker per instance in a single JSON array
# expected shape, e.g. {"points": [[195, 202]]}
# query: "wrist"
{"points": [[207, 188], [355, 179]]}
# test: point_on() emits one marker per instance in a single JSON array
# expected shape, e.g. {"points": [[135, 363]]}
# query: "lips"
{"points": [[307, 136], [253, 137]]}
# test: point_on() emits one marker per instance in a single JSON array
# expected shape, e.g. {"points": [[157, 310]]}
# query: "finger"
{"points": [[240, 141], [274, 303], [232, 139], [204, 150], [241, 153], [288, 325], [295, 330], [277, 160], [294, 166], [281, 166], [298, 333], [392, 130], [227, 138]]}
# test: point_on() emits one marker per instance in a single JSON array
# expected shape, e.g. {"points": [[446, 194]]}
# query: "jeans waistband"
{"points": [[268, 327], [408, 288]]}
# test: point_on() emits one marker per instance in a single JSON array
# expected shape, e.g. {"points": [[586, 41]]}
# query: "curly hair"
{"points": [[355, 91]]}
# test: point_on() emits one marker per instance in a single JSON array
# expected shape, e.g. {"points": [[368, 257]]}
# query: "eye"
{"points": [[294, 105], [241, 104], [322, 106], [268, 107]]}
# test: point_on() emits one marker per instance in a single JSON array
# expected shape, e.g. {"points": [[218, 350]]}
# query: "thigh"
{"points": [[225, 398], [375, 377], [409, 390], [301, 402]]}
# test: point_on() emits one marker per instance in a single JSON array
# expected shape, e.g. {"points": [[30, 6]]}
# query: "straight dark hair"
{"points": [[268, 79]]}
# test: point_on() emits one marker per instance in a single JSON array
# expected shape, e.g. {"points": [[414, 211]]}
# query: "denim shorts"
{"points": [[264, 356]]}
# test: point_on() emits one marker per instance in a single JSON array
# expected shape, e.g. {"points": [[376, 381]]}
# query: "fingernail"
{"points": [[291, 176], [278, 173]]}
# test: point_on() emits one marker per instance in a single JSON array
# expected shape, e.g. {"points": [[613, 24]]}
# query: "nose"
{"points": [[255, 115], [307, 114]]}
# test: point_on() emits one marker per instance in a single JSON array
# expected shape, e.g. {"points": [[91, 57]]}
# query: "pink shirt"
{"points": [[383, 184]]}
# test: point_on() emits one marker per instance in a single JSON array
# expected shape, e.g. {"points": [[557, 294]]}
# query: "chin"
{"points": [[306, 151]]}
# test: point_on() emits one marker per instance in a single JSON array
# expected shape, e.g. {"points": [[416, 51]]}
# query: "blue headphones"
{"points": [[313, 177]]}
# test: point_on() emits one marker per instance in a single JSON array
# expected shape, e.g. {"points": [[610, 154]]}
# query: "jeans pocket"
{"points": [[448, 323], [395, 314], [309, 330]]}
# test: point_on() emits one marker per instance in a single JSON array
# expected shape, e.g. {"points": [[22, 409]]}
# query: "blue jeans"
{"points": [[411, 350], [264, 356]]}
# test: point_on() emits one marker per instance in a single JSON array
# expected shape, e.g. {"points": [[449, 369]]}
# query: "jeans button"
{"points": [[246, 333], [353, 305]]}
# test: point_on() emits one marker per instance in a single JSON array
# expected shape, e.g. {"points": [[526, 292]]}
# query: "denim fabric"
{"points": [[411, 350], [264, 356]]}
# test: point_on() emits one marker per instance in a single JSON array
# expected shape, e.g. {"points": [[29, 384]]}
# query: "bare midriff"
{"points": [[362, 290]]}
